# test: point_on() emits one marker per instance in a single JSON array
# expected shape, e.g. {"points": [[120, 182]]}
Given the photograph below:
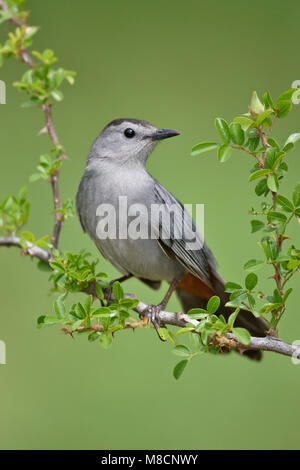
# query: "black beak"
{"points": [[164, 134]]}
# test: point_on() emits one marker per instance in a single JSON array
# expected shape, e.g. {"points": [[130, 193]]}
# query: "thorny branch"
{"points": [[31, 250], [268, 343]]}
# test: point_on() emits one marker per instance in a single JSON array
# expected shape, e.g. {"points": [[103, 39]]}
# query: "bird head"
{"points": [[128, 140]]}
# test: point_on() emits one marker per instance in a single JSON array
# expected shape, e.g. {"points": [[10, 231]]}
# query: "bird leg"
{"points": [[152, 311]]}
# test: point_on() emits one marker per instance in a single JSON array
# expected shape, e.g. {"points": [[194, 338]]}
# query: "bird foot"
{"points": [[152, 314]]}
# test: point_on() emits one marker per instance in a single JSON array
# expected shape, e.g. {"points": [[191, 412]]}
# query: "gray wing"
{"points": [[178, 236]]}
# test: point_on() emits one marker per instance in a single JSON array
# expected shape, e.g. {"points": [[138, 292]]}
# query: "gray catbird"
{"points": [[115, 172]]}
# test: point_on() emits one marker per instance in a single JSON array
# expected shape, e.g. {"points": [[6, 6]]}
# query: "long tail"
{"points": [[192, 295]]}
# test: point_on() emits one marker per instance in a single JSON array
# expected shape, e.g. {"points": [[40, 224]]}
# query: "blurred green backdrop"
{"points": [[178, 65]]}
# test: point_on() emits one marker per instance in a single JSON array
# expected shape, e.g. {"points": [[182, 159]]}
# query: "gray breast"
{"points": [[106, 189]]}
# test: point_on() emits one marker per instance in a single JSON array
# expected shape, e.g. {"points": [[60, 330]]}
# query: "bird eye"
{"points": [[129, 133]]}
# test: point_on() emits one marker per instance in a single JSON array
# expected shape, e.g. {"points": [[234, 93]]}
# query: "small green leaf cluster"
{"points": [[100, 323], [17, 41], [14, 212], [48, 167], [42, 82], [274, 167], [67, 210], [14, 11], [74, 272], [27, 236], [244, 133], [205, 335]]}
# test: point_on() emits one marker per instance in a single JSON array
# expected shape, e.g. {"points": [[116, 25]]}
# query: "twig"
{"points": [[54, 178], [80, 329], [240, 147], [50, 129], [31, 250], [13, 19], [268, 343], [23, 53]]}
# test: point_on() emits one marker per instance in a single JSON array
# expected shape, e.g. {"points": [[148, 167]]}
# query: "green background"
{"points": [[178, 65]]}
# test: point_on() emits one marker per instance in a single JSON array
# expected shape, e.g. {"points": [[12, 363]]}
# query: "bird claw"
{"points": [[152, 313]]}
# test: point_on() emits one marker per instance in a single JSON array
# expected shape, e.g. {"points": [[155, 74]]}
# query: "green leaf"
{"points": [[253, 264], [284, 203], [274, 216], [129, 303], [261, 187], [57, 95], [198, 316], [45, 320], [103, 312], [203, 147], [232, 286], [43, 266], [184, 330], [237, 133], [296, 195], [28, 236], [270, 158], [283, 108], [57, 266], [293, 263], [292, 139], [76, 325], [106, 341], [267, 100], [244, 121], [251, 281], [232, 317], [223, 129], [269, 307], [99, 291], [118, 290], [278, 161], [287, 95], [197, 311], [273, 143], [258, 174], [288, 292], [213, 304], [224, 153], [256, 225], [80, 311], [262, 117], [163, 333], [59, 307], [272, 183], [242, 335], [181, 350], [88, 303], [179, 368], [253, 144]]}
